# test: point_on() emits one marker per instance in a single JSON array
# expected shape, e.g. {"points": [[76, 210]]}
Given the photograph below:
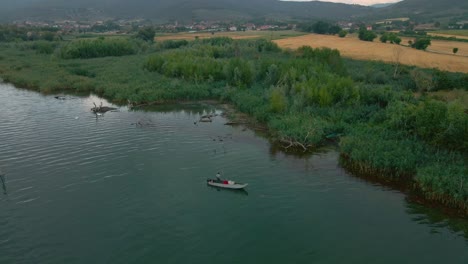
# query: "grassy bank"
{"points": [[306, 98]]}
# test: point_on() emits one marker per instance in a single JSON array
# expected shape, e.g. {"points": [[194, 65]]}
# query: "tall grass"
{"points": [[86, 49]]}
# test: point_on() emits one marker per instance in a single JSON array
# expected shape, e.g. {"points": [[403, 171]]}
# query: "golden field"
{"points": [[439, 55], [271, 35], [447, 35]]}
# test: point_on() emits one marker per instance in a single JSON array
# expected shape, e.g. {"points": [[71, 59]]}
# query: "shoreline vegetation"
{"points": [[389, 119]]}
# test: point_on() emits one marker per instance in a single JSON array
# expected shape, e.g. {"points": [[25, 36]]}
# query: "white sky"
{"points": [[360, 2]]}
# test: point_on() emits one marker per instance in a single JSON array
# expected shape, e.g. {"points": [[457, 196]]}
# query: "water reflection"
{"points": [[191, 109], [436, 219], [233, 191], [279, 149]]}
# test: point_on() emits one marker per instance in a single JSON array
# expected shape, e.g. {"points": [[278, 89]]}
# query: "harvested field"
{"points": [[448, 35], [444, 46], [354, 48], [234, 35], [193, 36], [453, 32]]}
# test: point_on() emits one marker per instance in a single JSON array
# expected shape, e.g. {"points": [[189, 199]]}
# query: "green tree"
{"points": [[366, 35], [146, 34], [384, 38], [342, 33], [321, 27], [455, 50], [335, 29], [421, 43]]}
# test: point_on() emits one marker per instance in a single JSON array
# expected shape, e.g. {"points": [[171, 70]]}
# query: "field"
{"points": [[270, 35], [462, 34], [440, 56], [445, 35]]}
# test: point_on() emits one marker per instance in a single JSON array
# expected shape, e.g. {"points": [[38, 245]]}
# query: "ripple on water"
{"points": [[100, 189]]}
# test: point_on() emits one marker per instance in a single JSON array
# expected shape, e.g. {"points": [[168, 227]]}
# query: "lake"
{"points": [[130, 187]]}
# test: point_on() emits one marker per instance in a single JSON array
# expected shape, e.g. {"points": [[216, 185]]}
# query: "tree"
{"points": [[146, 34], [342, 33], [392, 37], [320, 27], [366, 35], [397, 40], [455, 50], [421, 43], [335, 29], [47, 35], [384, 38]]}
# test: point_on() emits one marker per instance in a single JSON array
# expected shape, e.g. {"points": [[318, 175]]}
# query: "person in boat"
{"points": [[218, 176]]}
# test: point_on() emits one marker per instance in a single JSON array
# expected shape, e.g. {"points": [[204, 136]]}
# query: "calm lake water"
{"points": [[130, 187]]}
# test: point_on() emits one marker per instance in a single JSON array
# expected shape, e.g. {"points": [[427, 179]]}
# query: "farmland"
{"points": [[352, 47], [438, 55], [451, 33], [270, 35]]}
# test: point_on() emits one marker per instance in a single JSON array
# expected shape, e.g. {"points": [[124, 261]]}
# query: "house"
{"points": [[249, 26]]}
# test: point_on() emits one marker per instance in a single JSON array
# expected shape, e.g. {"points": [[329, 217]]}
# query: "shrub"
{"points": [[146, 34], [392, 37], [278, 100], [85, 49], [342, 33], [366, 35], [421, 43]]}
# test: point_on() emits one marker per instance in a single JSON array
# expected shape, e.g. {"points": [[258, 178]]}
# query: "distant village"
{"points": [[127, 26], [123, 26]]}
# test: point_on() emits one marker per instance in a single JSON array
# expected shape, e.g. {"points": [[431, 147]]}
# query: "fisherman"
{"points": [[218, 176]]}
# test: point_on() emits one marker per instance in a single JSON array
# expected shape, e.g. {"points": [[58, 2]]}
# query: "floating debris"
{"points": [[101, 109]]}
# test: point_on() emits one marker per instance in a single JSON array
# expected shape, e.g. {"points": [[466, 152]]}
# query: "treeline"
{"points": [[320, 27], [10, 33]]}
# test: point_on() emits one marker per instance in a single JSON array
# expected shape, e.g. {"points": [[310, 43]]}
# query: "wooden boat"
{"points": [[226, 184]]}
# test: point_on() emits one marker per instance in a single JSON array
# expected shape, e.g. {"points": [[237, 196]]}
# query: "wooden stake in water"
{"points": [[2, 179]]}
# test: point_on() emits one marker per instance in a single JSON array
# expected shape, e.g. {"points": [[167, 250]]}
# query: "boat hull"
{"points": [[235, 186]]}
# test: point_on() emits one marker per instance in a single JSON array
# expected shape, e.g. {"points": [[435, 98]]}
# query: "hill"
{"points": [[197, 10], [382, 5], [426, 10], [182, 10]]}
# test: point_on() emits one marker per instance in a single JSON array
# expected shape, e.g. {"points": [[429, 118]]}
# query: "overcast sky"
{"points": [[360, 2]]}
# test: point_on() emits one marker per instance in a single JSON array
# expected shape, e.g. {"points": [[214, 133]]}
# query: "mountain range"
{"points": [[190, 10]]}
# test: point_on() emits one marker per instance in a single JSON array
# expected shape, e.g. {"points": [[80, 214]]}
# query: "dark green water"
{"points": [[81, 189]]}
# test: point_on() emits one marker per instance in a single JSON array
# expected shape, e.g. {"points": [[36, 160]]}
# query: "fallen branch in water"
{"points": [[289, 142], [131, 104], [233, 123], [101, 109]]}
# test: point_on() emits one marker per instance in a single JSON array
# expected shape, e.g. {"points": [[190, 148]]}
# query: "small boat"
{"points": [[226, 184]]}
